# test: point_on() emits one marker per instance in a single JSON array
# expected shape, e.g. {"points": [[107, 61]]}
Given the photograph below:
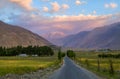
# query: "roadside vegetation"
{"points": [[105, 64], [12, 63], [60, 55], [21, 65], [71, 54]]}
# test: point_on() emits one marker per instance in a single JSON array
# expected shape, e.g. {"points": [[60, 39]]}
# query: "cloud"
{"points": [[62, 25], [8, 8], [45, 9], [24, 3], [7, 4], [55, 6], [78, 2], [80, 17], [111, 5], [65, 6], [18, 6]]}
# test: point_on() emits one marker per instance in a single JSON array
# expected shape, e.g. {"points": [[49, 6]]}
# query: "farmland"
{"points": [[90, 61], [21, 65]]}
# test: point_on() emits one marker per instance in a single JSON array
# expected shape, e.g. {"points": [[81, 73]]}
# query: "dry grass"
{"points": [[20, 65]]}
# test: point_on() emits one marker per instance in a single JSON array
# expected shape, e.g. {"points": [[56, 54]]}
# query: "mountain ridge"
{"points": [[14, 35], [99, 38]]}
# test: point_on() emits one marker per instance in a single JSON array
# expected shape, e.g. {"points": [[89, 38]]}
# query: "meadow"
{"points": [[21, 65], [90, 60]]}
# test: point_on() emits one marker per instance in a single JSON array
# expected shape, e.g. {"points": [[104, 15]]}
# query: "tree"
{"points": [[98, 62], [87, 62], [59, 55], [62, 54], [71, 54], [111, 67], [2, 52]]}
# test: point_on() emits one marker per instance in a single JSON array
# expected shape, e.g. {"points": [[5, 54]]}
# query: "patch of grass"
{"points": [[92, 58], [21, 65]]}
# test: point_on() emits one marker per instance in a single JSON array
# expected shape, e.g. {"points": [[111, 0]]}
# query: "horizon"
{"points": [[54, 19]]}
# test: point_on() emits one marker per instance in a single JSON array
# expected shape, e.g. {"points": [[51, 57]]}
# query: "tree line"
{"points": [[109, 55], [29, 50]]}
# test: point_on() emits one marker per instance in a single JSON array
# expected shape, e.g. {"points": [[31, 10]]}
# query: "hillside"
{"points": [[103, 37], [13, 36]]}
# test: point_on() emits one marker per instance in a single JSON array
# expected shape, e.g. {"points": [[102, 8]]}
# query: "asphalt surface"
{"points": [[70, 70]]}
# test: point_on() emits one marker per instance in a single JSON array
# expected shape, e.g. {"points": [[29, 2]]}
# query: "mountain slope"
{"points": [[103, 37], [70, 39], [13, 36]]}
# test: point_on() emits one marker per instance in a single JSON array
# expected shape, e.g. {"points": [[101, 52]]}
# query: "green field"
{"points": [[89, 60], [21, 65]]}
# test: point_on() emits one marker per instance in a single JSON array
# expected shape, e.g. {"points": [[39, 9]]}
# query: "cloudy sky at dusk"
{"points": [[58, 18]]}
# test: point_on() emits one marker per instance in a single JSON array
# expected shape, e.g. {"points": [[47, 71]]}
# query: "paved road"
{"points": [[70, 70]]}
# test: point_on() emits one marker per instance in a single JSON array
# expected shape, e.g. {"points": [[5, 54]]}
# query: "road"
{"points": [[70, 70]]}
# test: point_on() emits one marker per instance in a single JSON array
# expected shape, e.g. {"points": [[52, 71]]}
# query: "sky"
{"points": [[54, 19]]}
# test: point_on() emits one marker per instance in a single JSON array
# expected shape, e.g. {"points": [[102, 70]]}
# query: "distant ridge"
{"points": [[11, 36], [99, 38]]}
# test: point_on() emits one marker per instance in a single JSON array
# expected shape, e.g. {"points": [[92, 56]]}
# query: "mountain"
{"points": [[70, 40], [103, 37], [13, 36]]}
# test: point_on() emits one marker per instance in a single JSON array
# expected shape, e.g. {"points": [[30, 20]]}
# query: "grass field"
{"points": [[92, 64], [21, 65]]}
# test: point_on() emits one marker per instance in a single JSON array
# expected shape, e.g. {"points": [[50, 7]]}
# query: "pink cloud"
{"points": [[65, 6], [24, 3], [45, 9], [23, 6], [79, 17], [63, 25], [55, 6]]}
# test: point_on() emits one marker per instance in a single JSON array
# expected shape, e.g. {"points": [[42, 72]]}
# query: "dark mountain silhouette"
{"points": [[13, 36]]}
